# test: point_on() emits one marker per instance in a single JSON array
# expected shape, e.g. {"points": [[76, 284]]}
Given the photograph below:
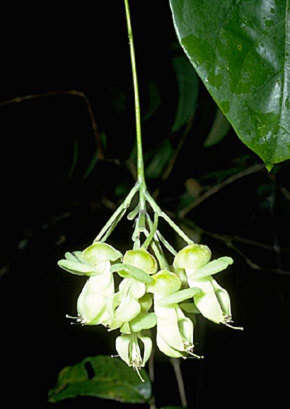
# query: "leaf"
{"points": [[112, 379], [187, 81], [219, 129], [159, 161], [128, 271], [241, 51]]}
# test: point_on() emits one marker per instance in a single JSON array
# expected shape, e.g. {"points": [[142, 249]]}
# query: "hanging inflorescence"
{"points": [[152, 292]]}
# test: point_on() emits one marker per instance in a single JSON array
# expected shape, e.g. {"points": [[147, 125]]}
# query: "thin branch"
{"points": [[217, 188], [256, 244], [179, 379], [80, 94], [229, 239], [250, 262]]}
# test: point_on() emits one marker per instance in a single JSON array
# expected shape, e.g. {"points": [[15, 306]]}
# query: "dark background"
{"points": [[48, 207]]}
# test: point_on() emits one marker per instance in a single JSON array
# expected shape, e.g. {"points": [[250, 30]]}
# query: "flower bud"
{"points": [[142, 259]]}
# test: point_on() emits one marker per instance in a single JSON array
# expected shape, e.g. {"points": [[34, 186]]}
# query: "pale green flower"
{"points": [[128, 348], [212, 301], [131, 291], [95, 303], [174, 329]]}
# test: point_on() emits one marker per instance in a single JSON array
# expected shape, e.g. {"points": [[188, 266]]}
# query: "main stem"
{"points": [[140, 162]]}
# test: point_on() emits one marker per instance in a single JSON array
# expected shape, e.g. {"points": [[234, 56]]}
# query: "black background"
{"points": [[46, 211]]}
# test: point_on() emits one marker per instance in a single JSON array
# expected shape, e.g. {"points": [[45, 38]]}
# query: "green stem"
{"points": [[178, 374], [140, 162], [123, 206], [171, 223], [165, 243], [153, 229]]}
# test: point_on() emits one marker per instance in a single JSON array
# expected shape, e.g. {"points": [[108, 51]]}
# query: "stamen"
{"points": [[71, 317], [233, 327], [195, 355]]}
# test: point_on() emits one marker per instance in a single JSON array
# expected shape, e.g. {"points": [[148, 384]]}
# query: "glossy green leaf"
{"points": [[241, 51], [219, 129], [187, 81], [110, 379], [129, 271]]}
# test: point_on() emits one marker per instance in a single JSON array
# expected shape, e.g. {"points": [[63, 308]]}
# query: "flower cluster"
{"points": [[149, 296]]}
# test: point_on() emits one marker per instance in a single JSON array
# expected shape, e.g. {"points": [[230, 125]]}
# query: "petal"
{"points": [[213, 267], [179, 296], [95, 303], [164, 283], [129, 271], [142, 259], [147, 342], [127, 310], [144, 320], [123, 347], [185, 326], [223, 298], [99, 251], [75, 267], [206, 301], [193, 256], [166, 349], [132, 288], [167, 328]]}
